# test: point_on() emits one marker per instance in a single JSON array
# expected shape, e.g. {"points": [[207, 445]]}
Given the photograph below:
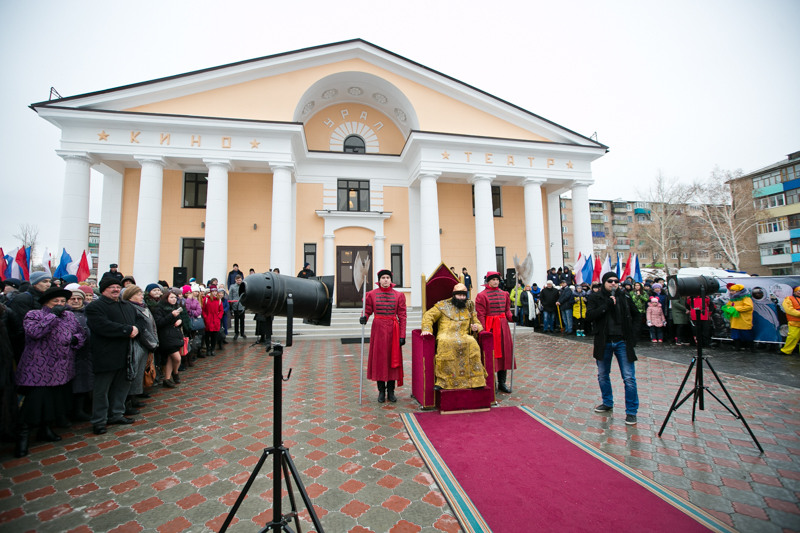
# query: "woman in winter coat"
{"points": [[145, 342], [83, 384], [170, 337], [212, 316], [656, 320], [47, 365]]}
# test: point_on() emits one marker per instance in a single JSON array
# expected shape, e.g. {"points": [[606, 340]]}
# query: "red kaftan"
{"points": [[388, 327]]}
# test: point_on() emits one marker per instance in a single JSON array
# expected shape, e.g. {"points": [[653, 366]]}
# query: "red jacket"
{"points": [[212, 313]]}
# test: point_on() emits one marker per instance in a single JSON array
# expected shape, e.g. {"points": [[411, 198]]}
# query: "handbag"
{"points": [[130, 371], [197, 323], [150, 371]]}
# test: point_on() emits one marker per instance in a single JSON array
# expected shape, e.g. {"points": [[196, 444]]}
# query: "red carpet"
{"points": [[510, 470]]}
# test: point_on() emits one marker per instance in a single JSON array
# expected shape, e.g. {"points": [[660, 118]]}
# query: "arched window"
{"points": [[354, 144]]}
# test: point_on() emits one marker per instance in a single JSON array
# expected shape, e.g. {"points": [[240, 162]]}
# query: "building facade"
{"points": [[776, 201], [319, 155]]}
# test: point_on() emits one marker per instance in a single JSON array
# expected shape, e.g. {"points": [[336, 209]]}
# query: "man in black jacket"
{"points": [[615, 322], [548, 298], [112, 322], [566, 300]]}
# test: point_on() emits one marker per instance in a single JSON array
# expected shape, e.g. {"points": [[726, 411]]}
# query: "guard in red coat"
{"points": [[388, 334], [493, 307]]}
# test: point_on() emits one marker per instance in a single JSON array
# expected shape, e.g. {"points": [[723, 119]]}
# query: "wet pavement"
{"points": [[182, 464]]}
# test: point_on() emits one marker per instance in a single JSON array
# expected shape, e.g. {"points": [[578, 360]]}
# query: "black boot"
{"points": [[381, 391], [21, 448], [390, 391], [45, 433], [501, 382]]}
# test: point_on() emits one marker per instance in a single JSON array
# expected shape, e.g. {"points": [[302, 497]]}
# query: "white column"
{"points": [[215, 249], [110, 220], [414, 245], [328, 255], [378, 257], [554, 226], [430, 245], [280, 254], [581, 219], [74, 234], [534, 228], [147, 248], [485, 254]]}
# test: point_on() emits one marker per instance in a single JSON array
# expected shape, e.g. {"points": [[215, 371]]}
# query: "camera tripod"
{"points": [[699, 390], [282, 464]]}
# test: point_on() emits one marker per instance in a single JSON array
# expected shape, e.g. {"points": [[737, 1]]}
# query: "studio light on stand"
{"points": [[311, 299], [701, 286]]}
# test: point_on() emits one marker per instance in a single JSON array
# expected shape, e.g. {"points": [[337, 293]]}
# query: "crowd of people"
{"points": [[90, 352]]}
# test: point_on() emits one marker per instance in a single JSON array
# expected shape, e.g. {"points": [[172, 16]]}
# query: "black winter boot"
{"points": [[390, 391], [381, 391], [21, 448], [501, 382]]}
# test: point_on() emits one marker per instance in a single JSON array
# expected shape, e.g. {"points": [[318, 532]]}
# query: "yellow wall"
{"points": [[276, 97], [395, 200], [310, 228], [249, 202], [509, 230], [318, 134], [457, 239]]}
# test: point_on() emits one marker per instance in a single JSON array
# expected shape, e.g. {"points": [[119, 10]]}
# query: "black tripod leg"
{"points": [[284, 455], [303, 494], [243, 494], [730, 399], [675, 403]]}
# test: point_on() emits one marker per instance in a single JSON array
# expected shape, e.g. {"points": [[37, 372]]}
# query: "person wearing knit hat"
{"points": [[387, 336], [791, 306], [88, 292], [457, 363], [739, 312], [615, 323], [493, 307], [186, 289]]}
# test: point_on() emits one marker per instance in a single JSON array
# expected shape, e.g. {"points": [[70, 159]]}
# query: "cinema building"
{"points": [[314, 156]]}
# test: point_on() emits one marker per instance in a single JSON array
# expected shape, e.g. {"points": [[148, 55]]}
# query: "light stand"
{"points": [[699, 387], [282, 464]]}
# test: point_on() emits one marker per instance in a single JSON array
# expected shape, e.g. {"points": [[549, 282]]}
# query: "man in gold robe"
{"points": [[457, 364]]}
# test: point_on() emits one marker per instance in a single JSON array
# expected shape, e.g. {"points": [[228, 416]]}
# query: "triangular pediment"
{"points": [[294, 87]]}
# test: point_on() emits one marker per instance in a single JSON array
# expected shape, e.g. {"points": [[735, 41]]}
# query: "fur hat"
{"points": [[492, 275], [54, 292], [460, 288], [384, 272], [108, 281]]}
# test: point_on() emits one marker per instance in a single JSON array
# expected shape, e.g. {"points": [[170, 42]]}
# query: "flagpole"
{"points": [[363, 333]]}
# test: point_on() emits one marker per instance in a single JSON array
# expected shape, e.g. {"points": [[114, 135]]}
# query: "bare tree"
{"points": [[666, 230], [28, 235], [727, 213]]}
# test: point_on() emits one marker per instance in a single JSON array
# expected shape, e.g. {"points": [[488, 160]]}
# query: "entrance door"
{"points": [[346, 294]]}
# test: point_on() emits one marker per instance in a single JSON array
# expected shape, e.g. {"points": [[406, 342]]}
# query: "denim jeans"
{"points": [[628, 372], [548, 321], [566, 319]]}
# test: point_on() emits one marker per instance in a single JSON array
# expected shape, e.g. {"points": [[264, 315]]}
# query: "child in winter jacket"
{"points": [[656, 320]]}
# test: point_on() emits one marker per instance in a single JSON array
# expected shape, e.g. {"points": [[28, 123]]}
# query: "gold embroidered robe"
{"points": [[457, 364]]}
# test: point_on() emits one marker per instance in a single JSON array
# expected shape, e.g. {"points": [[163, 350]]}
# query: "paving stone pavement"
{"points": [[181, 466]]}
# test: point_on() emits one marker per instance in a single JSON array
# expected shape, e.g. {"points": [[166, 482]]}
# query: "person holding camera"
{"points": [[388, 334], [615, 323]]}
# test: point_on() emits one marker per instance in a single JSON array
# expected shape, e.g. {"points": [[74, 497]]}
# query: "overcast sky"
{"points": [[673, 87]]}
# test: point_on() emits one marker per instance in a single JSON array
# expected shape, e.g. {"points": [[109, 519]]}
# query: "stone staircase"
{"points": [[344, 323]]}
